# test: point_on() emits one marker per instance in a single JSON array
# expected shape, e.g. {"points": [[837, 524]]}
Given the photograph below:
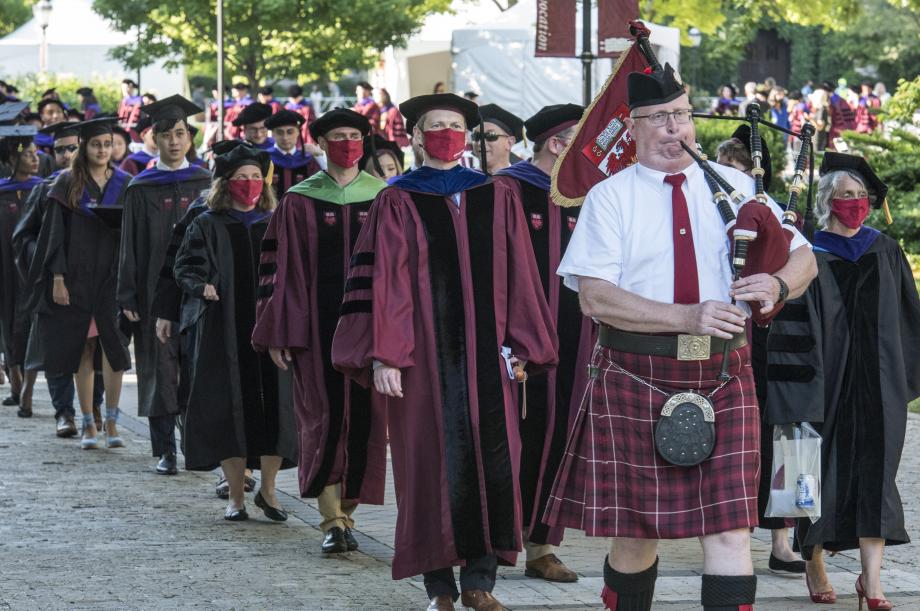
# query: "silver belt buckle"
{"points": [[693, 347]]}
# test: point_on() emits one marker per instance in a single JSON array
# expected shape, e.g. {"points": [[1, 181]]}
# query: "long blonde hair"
{"points": [[219, 196]]}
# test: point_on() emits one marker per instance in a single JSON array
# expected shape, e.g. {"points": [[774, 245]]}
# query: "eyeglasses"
{"points": [[489, 136], [660, 119], [69, 148]]}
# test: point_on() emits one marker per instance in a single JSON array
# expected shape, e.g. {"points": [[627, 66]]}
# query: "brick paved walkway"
{"points": [[99, 530]]}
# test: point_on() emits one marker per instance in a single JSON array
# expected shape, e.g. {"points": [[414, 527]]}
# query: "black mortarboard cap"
{"points": [[381, 144], [339, 117], [73, 112], [253, 113], [240, 155], [743, 133], [10, 113], [62, 129], [143, 123], [128, 81], [225, 146], [85, 91], [658, 87], [239, 85], [834, 162], [174, 108], [48, 101], [413, 108], [509, 123], [295, 90], [95, 127], [551, 120], [12, 89], [284, 117], [267, 90], [48, 92]]}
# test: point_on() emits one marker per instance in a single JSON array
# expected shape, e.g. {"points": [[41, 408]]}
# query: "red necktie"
{"points": [[686, 280]]}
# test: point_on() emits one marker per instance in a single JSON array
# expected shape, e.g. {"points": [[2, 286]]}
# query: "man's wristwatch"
{"points": [[783, 289]]}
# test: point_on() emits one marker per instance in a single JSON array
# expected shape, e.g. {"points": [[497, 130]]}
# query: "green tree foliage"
{"points": [[905, 101], [270, 39], [14, 13]]}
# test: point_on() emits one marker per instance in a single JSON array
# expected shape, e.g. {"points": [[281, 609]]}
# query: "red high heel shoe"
{"points": [[820, 598], [874, 603]]}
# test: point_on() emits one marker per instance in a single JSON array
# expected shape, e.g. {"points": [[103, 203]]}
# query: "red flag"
{"points": [[602, 145], [613, 17], [555, 28]]}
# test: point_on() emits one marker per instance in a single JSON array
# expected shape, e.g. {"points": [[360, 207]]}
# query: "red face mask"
{"points": [[851, 212], [246, 192], [445, 144], [345, 153]]}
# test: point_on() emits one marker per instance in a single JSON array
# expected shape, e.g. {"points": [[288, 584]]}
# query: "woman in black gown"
{"points": [[239, 412], [846, 357]]}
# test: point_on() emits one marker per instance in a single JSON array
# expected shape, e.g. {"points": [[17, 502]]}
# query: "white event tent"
{"points": [[78, 43]]}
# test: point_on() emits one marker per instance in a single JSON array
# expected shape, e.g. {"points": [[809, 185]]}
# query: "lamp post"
{"points": [[43, 14], [696, 37]]}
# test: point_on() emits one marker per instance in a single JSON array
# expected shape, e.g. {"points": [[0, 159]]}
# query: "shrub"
{"points": [[31, 87]]}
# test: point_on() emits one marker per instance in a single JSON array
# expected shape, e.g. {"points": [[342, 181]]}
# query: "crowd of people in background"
{"points": [[831, 109]]}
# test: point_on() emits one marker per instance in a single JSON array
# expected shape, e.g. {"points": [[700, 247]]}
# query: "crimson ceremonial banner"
{"points": [[555, 28], [613, 17], [602, 145]]}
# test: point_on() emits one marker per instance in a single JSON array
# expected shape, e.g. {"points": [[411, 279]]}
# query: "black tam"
{"points": [[657, 87]]}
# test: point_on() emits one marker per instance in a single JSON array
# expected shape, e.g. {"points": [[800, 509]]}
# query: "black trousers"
{"points": [[162, 434], [478, 574]]}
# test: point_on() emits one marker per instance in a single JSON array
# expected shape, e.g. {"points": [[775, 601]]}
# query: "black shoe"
{"points": [[796, 567], [272, 513], [11, 400], [66, 427], [236, 515], [167, 464], [334, 543], [24, 413], [350, 540]]}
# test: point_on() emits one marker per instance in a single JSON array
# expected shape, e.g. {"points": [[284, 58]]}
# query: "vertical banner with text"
{"points": [[613, 17], [555, 28]]}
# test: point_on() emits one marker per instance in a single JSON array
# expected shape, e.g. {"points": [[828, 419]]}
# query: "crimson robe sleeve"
{"points": [[283, 308], [531, 331], [377, 321]]}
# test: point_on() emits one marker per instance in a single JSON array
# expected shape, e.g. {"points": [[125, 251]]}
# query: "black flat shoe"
{"points": [[350, 540], [272, 513], [334, 542], [24, 413], [167, 465], [236, 515], [796, 567], [11, 400]]}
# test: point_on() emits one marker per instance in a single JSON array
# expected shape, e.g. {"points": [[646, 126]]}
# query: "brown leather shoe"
{"points": [[480, 600], [550, 568], [441, 603]]}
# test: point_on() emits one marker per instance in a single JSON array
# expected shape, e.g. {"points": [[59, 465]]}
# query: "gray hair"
{"points": [[827, 186]]}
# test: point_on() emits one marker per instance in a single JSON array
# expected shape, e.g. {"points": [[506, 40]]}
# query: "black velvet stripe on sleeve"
{"points": [[265, 291], [362, 258], [779, 342], [358, 306], [267, 269], [493, 433], [453, 376], [269, 245], [793, 312], [790, 373], [358, 283]]}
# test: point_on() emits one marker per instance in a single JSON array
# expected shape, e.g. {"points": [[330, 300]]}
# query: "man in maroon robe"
{"points": [[305, 258], [443, 282], [549, 398], [367, 106]]}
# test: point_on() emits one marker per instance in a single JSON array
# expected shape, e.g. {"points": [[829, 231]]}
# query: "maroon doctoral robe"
{"points": [[436, 289], [552, 399], [305, 258]]}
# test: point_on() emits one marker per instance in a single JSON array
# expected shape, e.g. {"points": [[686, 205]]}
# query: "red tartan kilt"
{"points": [[612, 483]]}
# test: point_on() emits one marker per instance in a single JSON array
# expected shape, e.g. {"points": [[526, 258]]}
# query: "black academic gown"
{"points": [[167, 297], [152, 208], [79, 245], [846, 357], [237, 406], [14, 315]]}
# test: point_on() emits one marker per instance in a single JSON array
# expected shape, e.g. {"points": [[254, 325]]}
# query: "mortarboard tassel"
{"points": [[888, 218], [269, 176]]}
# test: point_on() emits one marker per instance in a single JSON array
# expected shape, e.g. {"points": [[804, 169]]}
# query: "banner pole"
{"points": [[586, 56]]}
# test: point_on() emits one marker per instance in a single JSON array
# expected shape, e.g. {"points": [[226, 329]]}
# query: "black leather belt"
{"points": [[680, 347]]}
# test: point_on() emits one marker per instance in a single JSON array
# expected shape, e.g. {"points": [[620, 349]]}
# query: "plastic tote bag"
{"points": [[795, 483]]}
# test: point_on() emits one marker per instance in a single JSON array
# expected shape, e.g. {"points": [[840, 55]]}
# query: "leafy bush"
{"points": [[710, 133], [896, 160], [31, 87], [905, 101]]}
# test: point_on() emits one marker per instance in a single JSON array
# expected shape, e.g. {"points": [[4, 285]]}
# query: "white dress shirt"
{"points": [[624, 234], [166, 168]]}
